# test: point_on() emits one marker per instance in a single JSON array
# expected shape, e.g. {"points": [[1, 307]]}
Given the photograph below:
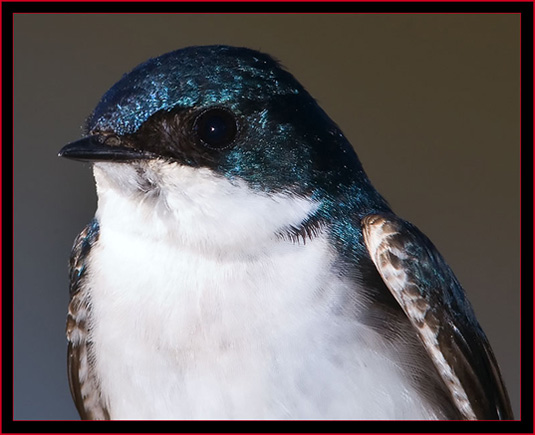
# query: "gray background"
{"points": [[430, 102]]}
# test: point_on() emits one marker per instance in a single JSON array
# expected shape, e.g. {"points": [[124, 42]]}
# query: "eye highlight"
{"points": [[216, 128]]}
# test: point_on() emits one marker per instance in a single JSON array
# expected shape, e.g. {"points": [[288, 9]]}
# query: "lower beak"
{"points": [[101, 148]]}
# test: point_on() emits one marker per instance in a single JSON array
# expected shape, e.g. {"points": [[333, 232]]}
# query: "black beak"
{"points": [[102, 148]]}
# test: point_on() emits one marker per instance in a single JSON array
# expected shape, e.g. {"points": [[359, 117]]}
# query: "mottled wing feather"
{"points": [[83, 381], [435, 303]]}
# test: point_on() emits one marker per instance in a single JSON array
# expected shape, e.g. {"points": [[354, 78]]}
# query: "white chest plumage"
{"points": [[228, 320]]}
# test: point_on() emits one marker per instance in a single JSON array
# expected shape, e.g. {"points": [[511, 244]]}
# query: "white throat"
{"points": [[193, 206]]}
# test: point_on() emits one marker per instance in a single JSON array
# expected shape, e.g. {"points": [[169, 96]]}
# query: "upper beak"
{"points": [[102, 148]]}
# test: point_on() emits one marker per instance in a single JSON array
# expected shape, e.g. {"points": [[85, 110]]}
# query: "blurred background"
{"points": [[429, 101]]}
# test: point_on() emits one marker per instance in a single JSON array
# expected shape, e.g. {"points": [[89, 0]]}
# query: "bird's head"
{"points": [[201, 124]]}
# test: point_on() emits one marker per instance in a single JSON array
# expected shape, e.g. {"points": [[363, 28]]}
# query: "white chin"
{"points": [[196, 206]]}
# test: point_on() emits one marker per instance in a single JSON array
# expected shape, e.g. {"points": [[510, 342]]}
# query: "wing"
{"points": [[436, 305], [83, 381]]}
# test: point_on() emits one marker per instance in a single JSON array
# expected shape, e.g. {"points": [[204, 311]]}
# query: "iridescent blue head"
{"points": [[235, 111]]}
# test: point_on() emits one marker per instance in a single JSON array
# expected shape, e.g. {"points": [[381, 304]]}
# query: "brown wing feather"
{"points": [[83, 382], [435, 303]]}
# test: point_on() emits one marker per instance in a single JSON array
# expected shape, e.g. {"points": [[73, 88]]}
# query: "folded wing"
{"points": [[436, 305]]}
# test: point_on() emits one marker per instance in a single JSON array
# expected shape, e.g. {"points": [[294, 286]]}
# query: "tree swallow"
{"points": [[242, 266]]}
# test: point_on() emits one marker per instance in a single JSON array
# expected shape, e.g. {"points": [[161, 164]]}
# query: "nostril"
{"points": [[111, 140]]}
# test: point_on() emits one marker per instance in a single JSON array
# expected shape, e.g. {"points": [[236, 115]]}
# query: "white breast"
{"points": [[260, 328]]}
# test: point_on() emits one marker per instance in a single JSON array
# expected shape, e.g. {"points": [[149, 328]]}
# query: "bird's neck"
{"points": [[201, 212]]}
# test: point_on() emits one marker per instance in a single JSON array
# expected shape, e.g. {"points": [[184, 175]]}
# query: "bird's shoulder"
{"points": [[435, 303], [83, 382]]}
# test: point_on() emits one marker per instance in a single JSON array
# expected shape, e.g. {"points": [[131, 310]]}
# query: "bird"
{"points": [[241, 265]]}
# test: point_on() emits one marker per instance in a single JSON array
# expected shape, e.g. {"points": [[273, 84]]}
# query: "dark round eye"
{"points": [[216, 128]]}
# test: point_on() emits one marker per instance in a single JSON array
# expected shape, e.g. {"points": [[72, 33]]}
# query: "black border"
{"points": [[276, 6], [525, 9]]}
